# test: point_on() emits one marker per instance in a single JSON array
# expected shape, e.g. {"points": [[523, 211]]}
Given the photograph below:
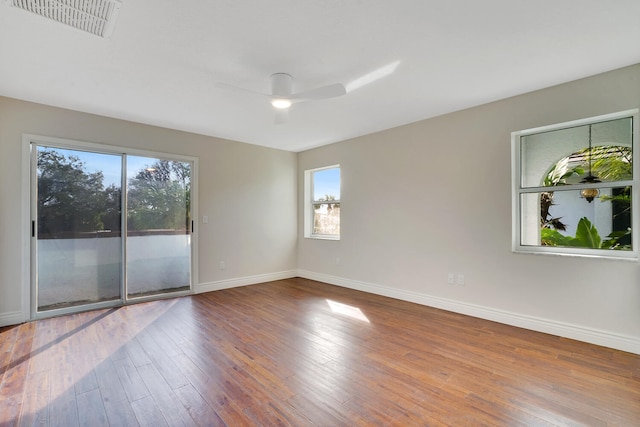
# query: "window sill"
{"points": [[599, 254], [322, 237]]}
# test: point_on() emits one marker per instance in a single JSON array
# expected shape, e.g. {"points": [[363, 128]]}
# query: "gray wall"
{"points": [[248, 193], [434, 197], [418, 202]]}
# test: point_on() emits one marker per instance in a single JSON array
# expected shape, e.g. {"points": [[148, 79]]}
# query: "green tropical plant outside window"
{"points": [[608, 163]]}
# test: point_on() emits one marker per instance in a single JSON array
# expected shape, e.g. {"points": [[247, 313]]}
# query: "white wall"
{"points": [[434, 197], [248, 193]]}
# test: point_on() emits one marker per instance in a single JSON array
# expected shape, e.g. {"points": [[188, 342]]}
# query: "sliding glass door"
{"points": [[158, 226], [95, 245], [77, 226]]}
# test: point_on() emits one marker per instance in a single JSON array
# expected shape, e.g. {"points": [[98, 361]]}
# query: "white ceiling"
{"points": [[164, 58]]}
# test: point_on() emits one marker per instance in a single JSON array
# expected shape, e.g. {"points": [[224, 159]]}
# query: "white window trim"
{"points": [[308, 204], [516, 191]]}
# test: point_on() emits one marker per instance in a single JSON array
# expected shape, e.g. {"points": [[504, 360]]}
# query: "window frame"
{"points": [[309, 202], [517, 190]]}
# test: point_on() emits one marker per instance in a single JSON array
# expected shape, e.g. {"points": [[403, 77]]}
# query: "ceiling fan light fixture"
{"points": [[281, 103]]}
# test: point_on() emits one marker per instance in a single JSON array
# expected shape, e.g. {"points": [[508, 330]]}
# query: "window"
{"points": [[575, 187], [322, 203]]}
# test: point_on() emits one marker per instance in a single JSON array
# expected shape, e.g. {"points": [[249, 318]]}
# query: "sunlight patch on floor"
{"points": [[347, 310]]}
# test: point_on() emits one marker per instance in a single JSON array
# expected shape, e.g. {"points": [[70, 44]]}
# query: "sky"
{"points": [[326, 181], [109, 164]]}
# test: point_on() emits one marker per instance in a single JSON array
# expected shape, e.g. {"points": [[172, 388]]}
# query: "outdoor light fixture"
{"points": [[590, 193]]}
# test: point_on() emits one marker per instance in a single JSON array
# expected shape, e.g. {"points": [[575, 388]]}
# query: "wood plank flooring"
{"points": [[302, 353]]}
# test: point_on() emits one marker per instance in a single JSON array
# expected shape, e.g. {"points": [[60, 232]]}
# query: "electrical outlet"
{"points": [[460, 280], [451, 279], [337, 260], [205, 219], [223, 265]]}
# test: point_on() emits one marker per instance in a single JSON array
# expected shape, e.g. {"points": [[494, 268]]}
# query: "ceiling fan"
{"points": [[282, 95]]}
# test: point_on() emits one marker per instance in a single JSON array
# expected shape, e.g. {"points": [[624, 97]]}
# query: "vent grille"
{"points": [[93, 16]]}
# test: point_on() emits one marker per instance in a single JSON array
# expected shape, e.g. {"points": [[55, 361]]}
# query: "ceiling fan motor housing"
{"points": [[281, 85]]}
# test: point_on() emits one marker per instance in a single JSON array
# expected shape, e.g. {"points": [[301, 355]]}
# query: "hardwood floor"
{"points": [[301, 353]]}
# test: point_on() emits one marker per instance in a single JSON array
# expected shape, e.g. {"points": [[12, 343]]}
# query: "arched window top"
{"points": [[605, 162], [540, 151]]}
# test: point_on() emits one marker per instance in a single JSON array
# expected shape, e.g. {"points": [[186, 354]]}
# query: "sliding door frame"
{"points": [[29, 268]]}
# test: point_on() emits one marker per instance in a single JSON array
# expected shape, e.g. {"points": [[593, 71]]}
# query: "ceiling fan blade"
{"points": [[233, 88], [324, 92], [281, 96]]}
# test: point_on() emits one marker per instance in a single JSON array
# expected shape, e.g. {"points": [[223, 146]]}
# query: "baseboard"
{"points": [[11, 318], [244, 281], [576, 332]]}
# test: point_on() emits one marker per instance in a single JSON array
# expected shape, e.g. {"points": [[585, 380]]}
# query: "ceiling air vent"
{"points": [[93, 16]]}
